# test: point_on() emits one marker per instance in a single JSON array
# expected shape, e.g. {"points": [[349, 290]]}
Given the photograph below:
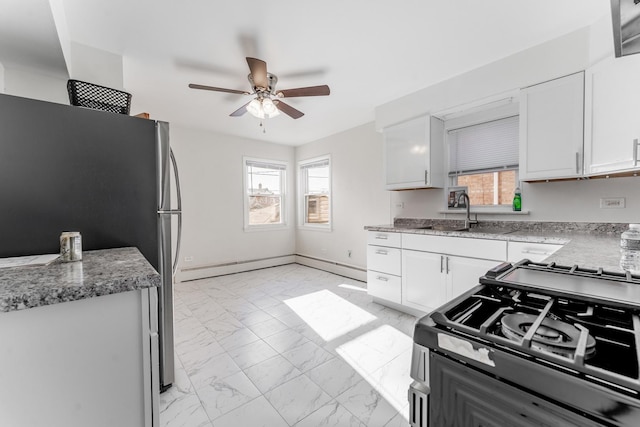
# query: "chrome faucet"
{"points": [[468, 222]]}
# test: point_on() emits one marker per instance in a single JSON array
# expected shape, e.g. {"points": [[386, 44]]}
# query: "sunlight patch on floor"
{"points": [[382, 356], [328, 314]]}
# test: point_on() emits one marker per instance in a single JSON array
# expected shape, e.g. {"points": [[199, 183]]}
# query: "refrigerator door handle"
{"points": [[179, 209]]}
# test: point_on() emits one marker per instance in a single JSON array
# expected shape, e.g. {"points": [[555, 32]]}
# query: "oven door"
{"points": [[464, 397]]}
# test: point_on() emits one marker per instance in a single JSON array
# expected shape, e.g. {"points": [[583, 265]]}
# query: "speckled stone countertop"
{"points": [[589, 245], [103, 272]]}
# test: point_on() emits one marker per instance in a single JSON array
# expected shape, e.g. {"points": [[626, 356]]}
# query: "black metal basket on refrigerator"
{"points": [[89, 95]]}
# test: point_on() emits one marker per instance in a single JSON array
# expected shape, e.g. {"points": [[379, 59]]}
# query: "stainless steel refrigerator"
{"points": [[108, 176]]}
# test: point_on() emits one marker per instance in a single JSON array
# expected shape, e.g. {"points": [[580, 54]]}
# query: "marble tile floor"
{"points": [[287, 346]]}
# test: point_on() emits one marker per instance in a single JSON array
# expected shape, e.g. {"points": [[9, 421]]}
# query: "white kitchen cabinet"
{"points": [[413, 154], [463, 273], [431, 279], [612, 127], [423, 284], [90, 362], [436, 269], [552, 129], [384, 269], [535, 252]]}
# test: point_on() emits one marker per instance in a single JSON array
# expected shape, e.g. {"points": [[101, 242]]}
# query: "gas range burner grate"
{"points": [[551, 335], [588, 336]]}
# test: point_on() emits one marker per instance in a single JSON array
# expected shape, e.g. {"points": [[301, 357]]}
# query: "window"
{"points": [[484, 158], [264, 201], [315, 192]]}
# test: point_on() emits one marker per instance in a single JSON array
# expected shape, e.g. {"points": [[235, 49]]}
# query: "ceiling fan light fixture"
{"points": [[269, 107], [263, 108], [255, 109]]}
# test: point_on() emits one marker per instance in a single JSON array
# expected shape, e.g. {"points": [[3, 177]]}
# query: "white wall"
{"points": [[95, 66], [565, 201], [30, 83], [211, 172], [358, 195], [559, 57]]}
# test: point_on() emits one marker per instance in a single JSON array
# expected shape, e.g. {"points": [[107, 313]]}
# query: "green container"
{"points": [[517, 201]]}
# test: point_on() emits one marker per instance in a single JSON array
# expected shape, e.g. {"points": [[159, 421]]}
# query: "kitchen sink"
{"points": [[448, 228]]}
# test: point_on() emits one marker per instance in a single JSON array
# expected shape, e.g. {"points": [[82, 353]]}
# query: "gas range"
{"points": [[558, 344]]}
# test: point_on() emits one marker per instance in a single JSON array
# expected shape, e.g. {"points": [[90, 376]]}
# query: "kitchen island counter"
{"points": [[101, 272]]}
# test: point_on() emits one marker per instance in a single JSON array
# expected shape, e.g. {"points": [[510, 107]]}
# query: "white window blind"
{"points": [[484, 147]]}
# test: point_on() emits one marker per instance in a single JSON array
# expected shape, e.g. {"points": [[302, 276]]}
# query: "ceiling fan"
{"points": [[267, 102]]}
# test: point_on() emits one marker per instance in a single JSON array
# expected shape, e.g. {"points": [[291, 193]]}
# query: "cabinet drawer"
{"points": [[384, 259], [459, 246], [383, 238], [535, 252], [385, 286]]}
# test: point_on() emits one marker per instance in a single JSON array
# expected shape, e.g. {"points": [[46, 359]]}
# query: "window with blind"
{"points": [[314, 178], [265, 184], [484, 158]]}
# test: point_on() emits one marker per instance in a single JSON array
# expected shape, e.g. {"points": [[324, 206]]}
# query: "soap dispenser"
{"points": [[517, 200]]}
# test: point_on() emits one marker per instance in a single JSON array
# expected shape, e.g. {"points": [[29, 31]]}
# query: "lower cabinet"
{"points": [[431, 279]]}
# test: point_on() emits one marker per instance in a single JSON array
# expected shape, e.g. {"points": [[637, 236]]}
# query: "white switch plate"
{"points": [[612, 203]]}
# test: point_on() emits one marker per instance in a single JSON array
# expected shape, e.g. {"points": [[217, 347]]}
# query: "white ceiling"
{"points": [[368, 51]]}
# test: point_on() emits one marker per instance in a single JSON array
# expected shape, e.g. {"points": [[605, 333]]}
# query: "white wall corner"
{"points": [[60, 22], [96, 66]]}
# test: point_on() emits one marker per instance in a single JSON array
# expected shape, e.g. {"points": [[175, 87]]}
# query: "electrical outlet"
{"points": [[188, 259], [400, 205], [612, 203]]}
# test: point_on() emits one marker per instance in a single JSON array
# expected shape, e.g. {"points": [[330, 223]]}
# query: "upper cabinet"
{"points": [[551, 129], [413, 154], [612, 126]]}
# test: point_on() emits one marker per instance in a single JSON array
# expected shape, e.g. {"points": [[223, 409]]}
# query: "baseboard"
{"points": [[400, 307], [346, 270], [196, 273]]}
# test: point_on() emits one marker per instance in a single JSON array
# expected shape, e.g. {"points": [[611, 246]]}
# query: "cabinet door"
{"points": [[612, 126], [423, 285], [406, 148], [463, 273], [552, 129]]}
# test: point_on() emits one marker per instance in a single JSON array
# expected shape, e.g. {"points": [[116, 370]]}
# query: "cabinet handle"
{"points": [[447, 265], [381, 236], [534, 252], [381, 252], [635, 152], [426, 176], [441, 263], [577, 162], [382, 279]]}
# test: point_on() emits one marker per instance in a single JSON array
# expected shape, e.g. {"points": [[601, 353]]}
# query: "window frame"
{"points": [[472, 119], [283, 224], [302, 193]]}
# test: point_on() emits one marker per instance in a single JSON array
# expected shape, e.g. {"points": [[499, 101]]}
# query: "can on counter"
{"points": [[70, 246]]}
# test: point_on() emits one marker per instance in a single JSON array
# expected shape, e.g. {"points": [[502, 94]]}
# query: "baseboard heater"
{"points": [[338, 264], [227, 267]]}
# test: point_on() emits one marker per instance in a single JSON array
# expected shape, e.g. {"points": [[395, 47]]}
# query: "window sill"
{"points": [[315, 227], [484, 211], [274, 227]]}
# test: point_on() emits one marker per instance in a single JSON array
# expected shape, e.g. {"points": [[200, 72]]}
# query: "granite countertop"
{"points": [[102, 272], [589, 245]]}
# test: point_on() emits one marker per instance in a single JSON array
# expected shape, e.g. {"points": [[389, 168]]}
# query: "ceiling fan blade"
{"points": [[218, 89], [259, 72], [240, 111], [304, 91], [288, 110]]}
